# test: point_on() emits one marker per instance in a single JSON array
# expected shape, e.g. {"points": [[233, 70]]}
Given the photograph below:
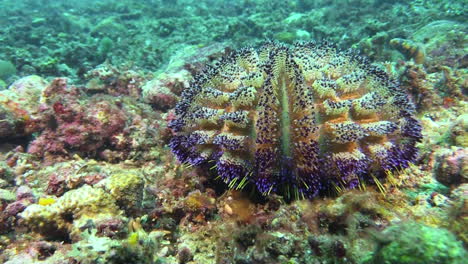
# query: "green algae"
{"points": [[412, 243], [7, 69]]}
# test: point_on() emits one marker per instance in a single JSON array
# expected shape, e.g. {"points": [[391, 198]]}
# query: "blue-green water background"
{"points": [[67, 38]]}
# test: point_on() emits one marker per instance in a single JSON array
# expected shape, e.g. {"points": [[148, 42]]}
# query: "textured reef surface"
{"points": [[100, 101], [299, 118]]}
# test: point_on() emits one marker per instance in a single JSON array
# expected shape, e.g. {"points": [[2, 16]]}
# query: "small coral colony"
{"points": [[295, 119]]}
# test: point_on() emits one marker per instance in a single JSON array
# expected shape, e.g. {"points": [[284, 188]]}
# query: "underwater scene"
{"points": [[234, 132]]}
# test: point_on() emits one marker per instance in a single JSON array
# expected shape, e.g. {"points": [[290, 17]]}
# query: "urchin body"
{"points": [[295, 119]]}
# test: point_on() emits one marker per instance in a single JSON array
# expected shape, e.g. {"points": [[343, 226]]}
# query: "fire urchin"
{"points": [[295, 119]]}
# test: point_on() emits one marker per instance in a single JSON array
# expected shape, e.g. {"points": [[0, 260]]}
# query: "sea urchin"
{"points": [[295, 118]]}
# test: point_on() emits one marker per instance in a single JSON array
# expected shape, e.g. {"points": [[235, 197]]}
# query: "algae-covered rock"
{"points": [[7, 69], [413, 243], [31, 85], [444, 42], [8, 121], [27, 92], [452, 166], [68, 215], [126, 189], [6, 195], [93, 248], [2, 85], [158, 93], [459, 131]]}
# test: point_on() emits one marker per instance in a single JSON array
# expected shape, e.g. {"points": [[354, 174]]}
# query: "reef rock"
{"points": [[66, 217]]}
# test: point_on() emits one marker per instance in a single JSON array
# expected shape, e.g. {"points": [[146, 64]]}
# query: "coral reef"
{"points": [[458, 135], [87, 93], [421, 86], [301, 118]]}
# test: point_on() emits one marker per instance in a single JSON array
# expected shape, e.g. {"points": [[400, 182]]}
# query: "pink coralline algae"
{"points": [[101, 126], [77, 127], [18, 103], [295, 120]]}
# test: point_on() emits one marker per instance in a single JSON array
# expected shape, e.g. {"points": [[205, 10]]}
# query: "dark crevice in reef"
{"points": [[9, 143]]}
